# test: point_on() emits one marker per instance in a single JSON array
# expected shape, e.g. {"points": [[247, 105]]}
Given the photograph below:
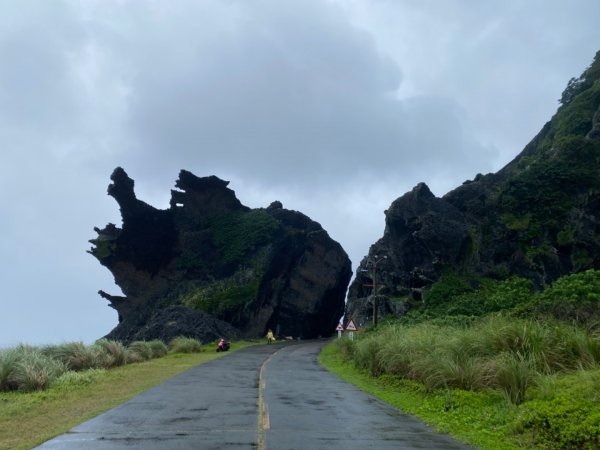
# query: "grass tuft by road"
{"points": [[29, 419], [479, 419]]}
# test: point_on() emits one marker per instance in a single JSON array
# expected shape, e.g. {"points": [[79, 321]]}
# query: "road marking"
{"points": [[264, 421], [265, 415]]}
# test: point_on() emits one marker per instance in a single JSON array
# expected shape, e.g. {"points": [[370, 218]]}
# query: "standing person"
{"points": [[270, 337]]}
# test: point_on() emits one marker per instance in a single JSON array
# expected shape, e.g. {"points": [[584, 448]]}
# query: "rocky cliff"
{"points": [[537, 218], [209, 266]]}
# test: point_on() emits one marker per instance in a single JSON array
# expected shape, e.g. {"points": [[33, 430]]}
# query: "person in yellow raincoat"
{"points": [[270, 337]]}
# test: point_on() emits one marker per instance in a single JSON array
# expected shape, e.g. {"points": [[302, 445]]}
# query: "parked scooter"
{"points": [[223, 345]]}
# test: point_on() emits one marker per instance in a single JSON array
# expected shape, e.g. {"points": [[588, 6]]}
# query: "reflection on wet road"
{"points": [[274, 397]]}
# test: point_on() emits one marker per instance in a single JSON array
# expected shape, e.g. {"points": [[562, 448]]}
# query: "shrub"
{"points": [[132, 356], [566, 416], [145, 350], [498, 352], [366, 355], [346, 347], [139, 351], [500, 334], [572, 298], [513, 373], [441, 357], [182, 344], [27, 369], [75, 355], [450, 370], [114, 352], [157, 348], [8, 360]]}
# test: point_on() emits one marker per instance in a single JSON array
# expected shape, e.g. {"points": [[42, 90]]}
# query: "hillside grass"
{"points": [[481, 419], [30, 418], [496, 383]]}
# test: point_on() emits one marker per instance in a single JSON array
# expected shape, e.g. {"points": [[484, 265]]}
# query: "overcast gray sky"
{"points": [[334, 107]]}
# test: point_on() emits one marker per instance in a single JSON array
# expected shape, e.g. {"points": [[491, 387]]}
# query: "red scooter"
{"points": [[223, 346]]}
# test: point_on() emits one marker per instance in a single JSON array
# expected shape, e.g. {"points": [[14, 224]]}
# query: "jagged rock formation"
{"points": [[252, 268], [538, 217], [172, 321]]}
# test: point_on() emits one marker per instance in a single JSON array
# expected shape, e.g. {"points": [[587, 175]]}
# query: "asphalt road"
{"points": [[274, 397]]}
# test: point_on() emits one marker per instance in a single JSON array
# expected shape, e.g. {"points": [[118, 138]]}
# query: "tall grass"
{"points": [[115, 352], [496, 352], [139, 351], [8, 359], [28, 369], [182, 344], [158, 348], [75, 355]]}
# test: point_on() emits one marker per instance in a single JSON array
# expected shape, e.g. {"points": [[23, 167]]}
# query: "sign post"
{"points": [[339, 329], [351, 328]]}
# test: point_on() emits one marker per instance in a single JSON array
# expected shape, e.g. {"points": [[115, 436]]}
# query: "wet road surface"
{"points": [[274, 397]]}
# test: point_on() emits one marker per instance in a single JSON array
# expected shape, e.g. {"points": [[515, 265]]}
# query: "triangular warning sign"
{"points": [[351, 326], [340, 327]]}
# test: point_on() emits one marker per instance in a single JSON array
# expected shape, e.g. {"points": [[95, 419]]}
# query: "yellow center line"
{"points": [[264, 422], [262, 407]]}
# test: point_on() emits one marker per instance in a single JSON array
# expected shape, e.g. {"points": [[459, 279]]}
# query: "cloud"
{"points": [[289, 93], [335, 107], [504, 64]]}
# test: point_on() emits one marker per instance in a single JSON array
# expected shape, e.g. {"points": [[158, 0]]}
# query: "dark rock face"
{"points": [[172, 321], [252, 268], [425, 233], [537, 218], [422, 234]]}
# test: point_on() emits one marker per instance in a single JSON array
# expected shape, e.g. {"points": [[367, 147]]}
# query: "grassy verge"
{"points": [[482, 419], [28, 419]]}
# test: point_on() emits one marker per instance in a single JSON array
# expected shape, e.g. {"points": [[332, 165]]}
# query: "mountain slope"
{"points": [[537, 218]]}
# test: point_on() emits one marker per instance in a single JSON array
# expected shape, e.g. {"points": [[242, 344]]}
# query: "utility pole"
{"points": [[373, 263]]}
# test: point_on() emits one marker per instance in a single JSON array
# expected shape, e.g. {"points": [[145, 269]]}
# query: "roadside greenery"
{"points": [[182, 344], [480, 418], [30, 417], [490, 362], [26, 368]]}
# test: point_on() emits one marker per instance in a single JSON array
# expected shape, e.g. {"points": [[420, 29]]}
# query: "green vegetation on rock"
{"points": [[465, 296], [225, 297], [537, 200], [237, 234], [573, 299]]}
